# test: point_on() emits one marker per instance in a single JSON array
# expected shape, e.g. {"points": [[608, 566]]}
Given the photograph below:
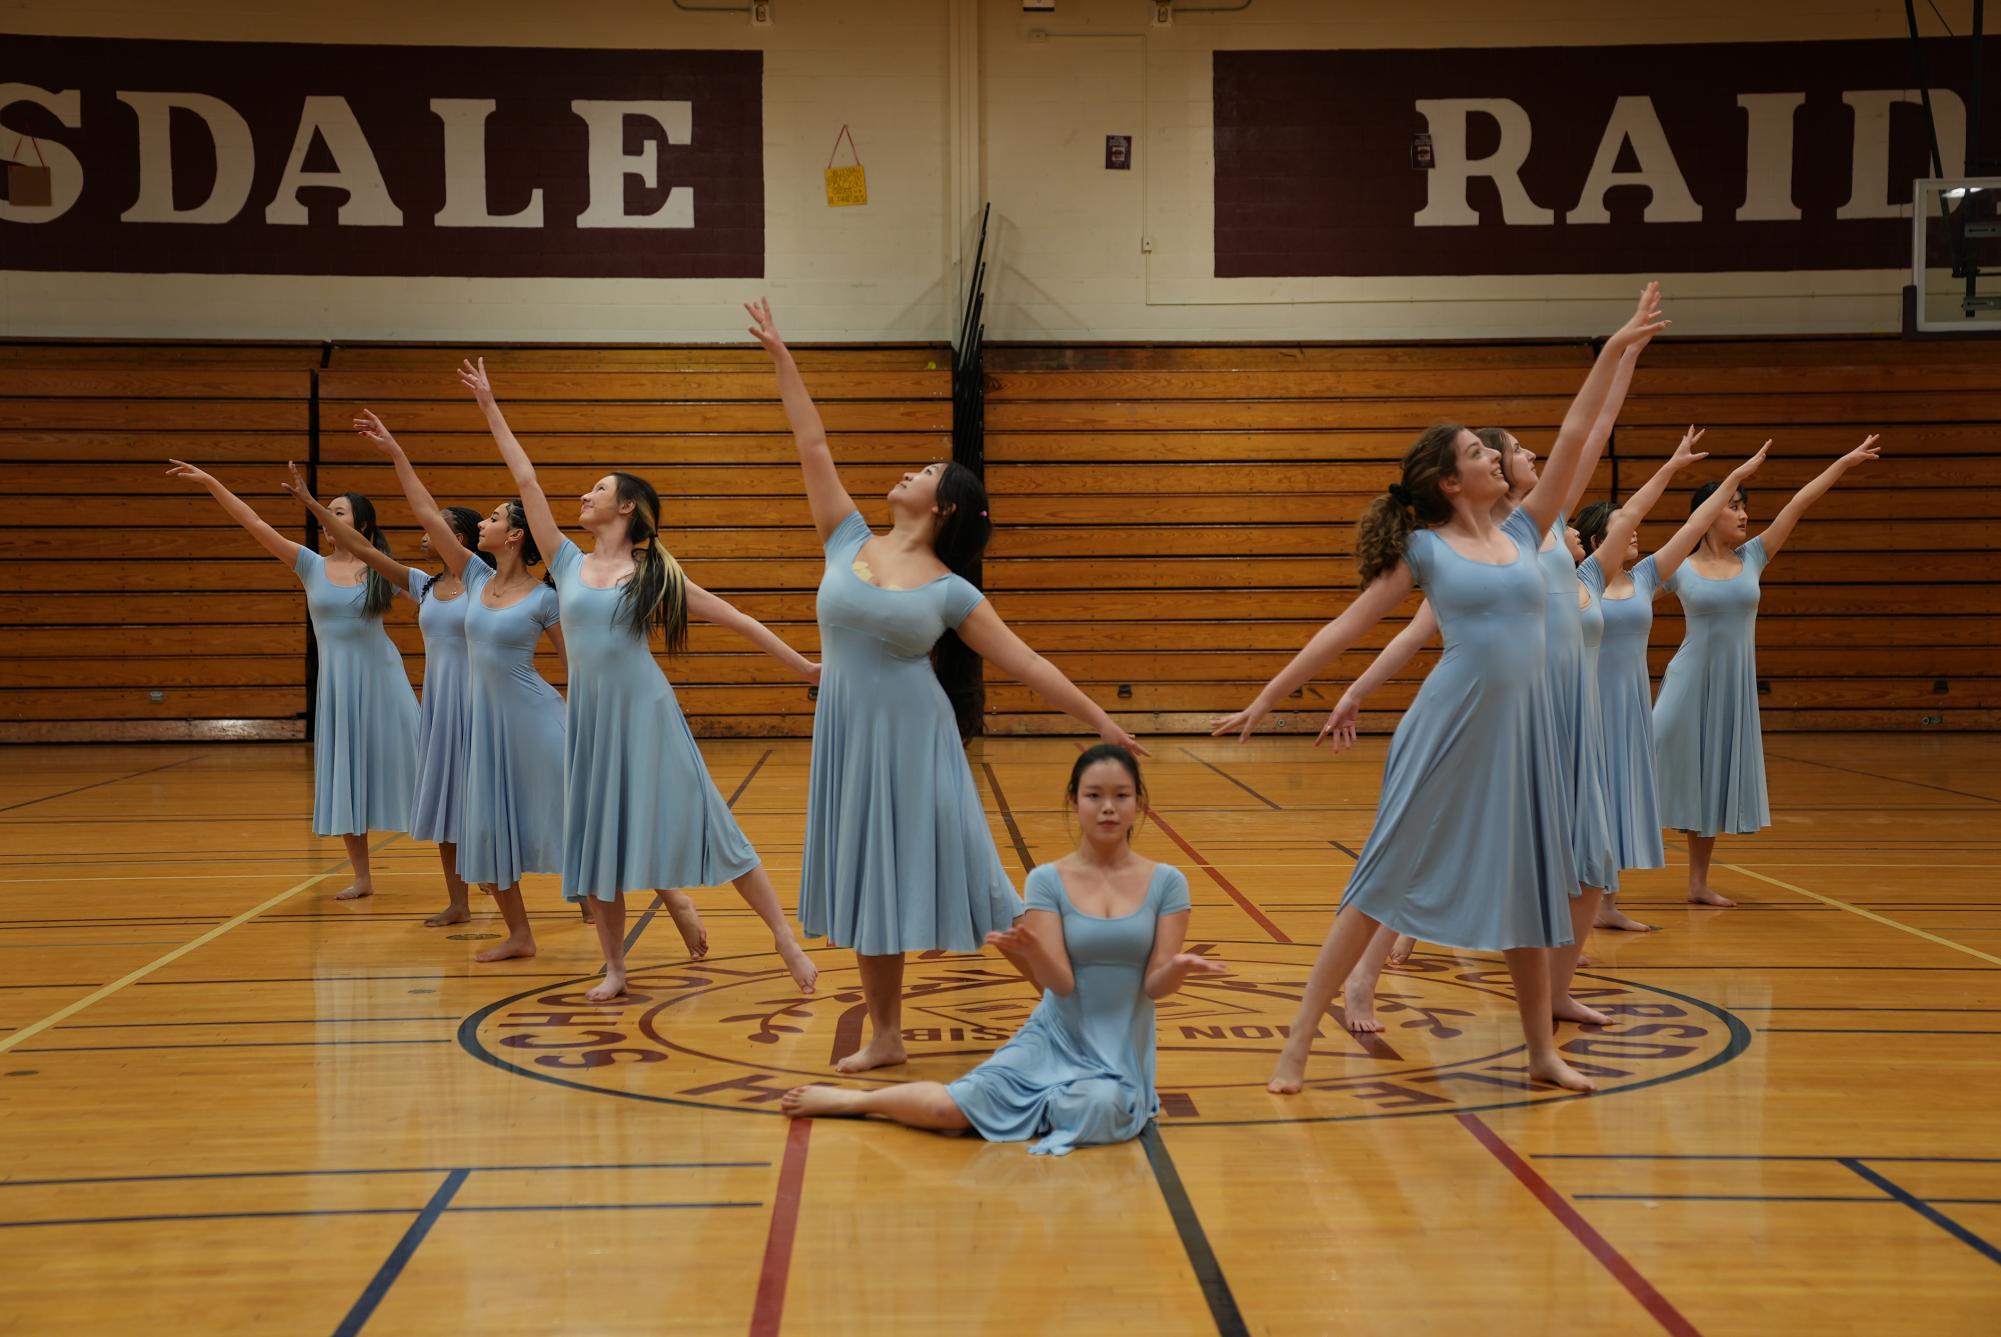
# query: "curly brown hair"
{"points": [[1385, 527]]}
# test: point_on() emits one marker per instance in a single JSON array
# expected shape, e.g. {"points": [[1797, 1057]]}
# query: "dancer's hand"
{"points": [[1243, 724], [296, 485], [1752, 465], [1125, 740], [370, 429], [189, 472], [1646, 320], [764, 329], [1341, 723], [1185, 964], [1013, 941], [472, 375], [1868, 450], [1686, 454]]}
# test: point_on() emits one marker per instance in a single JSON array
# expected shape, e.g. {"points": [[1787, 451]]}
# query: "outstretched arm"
{"points": [[1369, 608], [350, 539], [444, 541], [1625, 522], [710, 608], [1036, 948], [1795, 510], [995, 642], [239, 510], [1601, 427], [828, 499], [541, 520], [1670, 555], [1559, 471], [1342, 719], [1169, 967]]}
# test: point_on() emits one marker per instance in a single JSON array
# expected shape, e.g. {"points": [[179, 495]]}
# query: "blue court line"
{"points": [[1755, 1156], [222, 1044], [391, 1170], [399, 1257], [1930, 1213], [1774, 1197], [157, 1218]]}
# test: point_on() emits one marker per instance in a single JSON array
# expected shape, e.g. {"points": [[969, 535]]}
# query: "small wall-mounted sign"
{"points": [[1118, 153]]}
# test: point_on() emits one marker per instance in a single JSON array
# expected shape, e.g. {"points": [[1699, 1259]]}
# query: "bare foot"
{"points": [[877, 1053], [523, 947], [1611, 916], [804, 972], [451, 914], [1401, 949], [613, 987], [1290, 1073], [809, 1102], [1704, 896], [355, 892], [1558, 1073], [1359, 1002], [1583, 960], [1569, 1009], [689, 920]]}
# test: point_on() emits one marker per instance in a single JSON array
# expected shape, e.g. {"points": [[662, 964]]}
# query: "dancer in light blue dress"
{"points": [[640, 812], [1468, 846], [365, 715], [1709, 754], [438, 795], [1102, 941], [1624, 588], [898, 855]]}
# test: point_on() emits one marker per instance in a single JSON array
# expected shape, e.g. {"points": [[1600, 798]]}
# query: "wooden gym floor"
{"points": [[229, 1104]]}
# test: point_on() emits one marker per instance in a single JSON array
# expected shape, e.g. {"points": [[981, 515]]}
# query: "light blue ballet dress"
{"points": [[365, 715], [640, 811], [1576, 739], [898, 856], [1626, 708], [1471, 846], [441, 721], [1079, 1072], [1709, 753], [514, 740]]}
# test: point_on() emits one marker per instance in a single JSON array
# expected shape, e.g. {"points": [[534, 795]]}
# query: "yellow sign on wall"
{"points": [[846, 185]]}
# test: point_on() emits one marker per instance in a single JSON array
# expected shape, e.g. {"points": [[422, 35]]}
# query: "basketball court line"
{"points": [[1887, 779], [1007, 817], [1232, 779], [99, 784], [100, 994], [768, 1311], [1868, 914]]}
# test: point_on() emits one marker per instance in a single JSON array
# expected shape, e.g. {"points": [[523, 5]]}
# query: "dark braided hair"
{"points": [[464, 522]]}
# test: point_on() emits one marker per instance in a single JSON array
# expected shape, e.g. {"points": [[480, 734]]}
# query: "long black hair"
{"points": [[1592, 523], [380, 592], [963, 531], [464, 522], [517, 518], [657, 594]]}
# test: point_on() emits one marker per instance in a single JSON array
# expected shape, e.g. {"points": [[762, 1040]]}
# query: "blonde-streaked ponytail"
{"points": [[657, 594]]}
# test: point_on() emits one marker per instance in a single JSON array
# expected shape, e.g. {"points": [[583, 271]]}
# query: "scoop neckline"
{"points": [[1146, 897], [1516, 560], [886, 589]]}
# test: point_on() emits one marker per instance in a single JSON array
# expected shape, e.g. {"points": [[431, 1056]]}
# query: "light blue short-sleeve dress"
{"points": [[1709, 752], [1577, 739], [898, 855], [639, 809], [365, 715], [1626, 708], [513, 819], [1471, 846], [439, 794], [1079, 1072]]}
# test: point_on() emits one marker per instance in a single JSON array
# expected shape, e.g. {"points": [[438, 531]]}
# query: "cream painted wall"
{"points": [[953, 101]]}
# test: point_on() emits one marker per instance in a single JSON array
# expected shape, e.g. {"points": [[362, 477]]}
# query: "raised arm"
{"points": [[239, 510], [828, 499], [1341, 720], [541, 520], [1625, 522], [1168, 968], [444, 541], [1601, 427], [349, 538], [1035, 947], [1369, 608], [1781, 529], [711, 608], [994, 641], [1670, 555], [1559, 471]]}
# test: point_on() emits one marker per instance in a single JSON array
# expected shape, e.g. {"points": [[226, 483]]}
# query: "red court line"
{"points": [[1277, 933], [769, 1310], [1600, 1248]]}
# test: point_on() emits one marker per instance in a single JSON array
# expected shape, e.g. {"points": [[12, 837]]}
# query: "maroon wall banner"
{"points": [[1582, 160], [279, 158]]}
